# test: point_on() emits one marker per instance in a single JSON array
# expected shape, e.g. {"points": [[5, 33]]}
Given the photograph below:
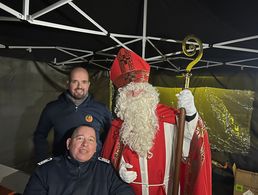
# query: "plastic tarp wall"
{"points": [[25, 88], [226, 98], [226, 112]]}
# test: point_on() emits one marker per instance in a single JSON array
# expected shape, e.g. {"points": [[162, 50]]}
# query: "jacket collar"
{"points": [[76, 163]]}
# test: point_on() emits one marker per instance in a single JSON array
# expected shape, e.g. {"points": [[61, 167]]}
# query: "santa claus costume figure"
{"points": [[140, 143]]}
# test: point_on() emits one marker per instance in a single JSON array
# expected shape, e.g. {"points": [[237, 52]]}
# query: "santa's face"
{"points": [[135, 93]]}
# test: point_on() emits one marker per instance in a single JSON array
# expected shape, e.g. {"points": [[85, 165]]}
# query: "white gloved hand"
{"points": [[186, 100], [127, 176]]}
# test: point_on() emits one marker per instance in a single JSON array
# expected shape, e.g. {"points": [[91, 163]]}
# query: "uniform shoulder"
{"points": [[45, 161], [104, 160], [50, 160]]}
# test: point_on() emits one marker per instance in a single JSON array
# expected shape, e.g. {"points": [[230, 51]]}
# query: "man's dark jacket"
{"points": [[63, 115], [64, 175]]}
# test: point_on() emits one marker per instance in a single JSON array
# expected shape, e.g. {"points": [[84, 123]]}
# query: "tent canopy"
{"points": [[68, 32]]}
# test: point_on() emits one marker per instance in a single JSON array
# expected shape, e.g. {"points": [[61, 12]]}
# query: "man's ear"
{"points": [[67, 83], [68, 143]]}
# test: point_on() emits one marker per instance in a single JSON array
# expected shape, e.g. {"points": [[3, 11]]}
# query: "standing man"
{"points": [[80, 171], [66, 112], [140, 141]]}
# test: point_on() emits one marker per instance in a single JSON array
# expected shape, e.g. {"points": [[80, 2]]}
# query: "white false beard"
{"points": [[139, 115]]}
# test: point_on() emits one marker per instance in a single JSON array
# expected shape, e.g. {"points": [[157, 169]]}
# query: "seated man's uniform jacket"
{"points": [[64, 175]]}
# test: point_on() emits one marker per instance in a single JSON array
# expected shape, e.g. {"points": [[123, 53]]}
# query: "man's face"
{"points": [[82, 145], [79, 83]]}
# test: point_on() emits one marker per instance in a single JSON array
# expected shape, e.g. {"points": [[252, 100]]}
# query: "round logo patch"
{"points": [[88, 118]]}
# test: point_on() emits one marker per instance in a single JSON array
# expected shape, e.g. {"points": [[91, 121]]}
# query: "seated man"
{"points": [[80, 171]]}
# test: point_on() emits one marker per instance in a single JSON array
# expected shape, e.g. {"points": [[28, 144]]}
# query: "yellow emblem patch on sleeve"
{"points": [[88, 118]]}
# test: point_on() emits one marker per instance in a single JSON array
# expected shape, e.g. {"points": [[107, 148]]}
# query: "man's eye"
{"points": [[91, 140], [80, 138]]}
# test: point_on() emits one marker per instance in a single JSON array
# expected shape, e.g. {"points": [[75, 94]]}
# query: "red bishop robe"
{"points": [[154, 175]]}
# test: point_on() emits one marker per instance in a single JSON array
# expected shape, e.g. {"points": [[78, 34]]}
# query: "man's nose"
{"points": [[78, 84], [85, 142]]}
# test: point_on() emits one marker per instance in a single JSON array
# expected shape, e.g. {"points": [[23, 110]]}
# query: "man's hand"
{"points": [[186, 100], [127, 176]]}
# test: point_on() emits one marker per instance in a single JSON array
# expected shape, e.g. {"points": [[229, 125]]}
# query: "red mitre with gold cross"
{"points": [[128, 67]]}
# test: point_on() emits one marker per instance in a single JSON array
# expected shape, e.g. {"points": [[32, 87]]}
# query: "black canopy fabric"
{"points": [[69, 32]]}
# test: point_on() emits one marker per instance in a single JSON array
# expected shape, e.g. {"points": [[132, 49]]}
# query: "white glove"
{"points": [[186, 100], [127, 176]]}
